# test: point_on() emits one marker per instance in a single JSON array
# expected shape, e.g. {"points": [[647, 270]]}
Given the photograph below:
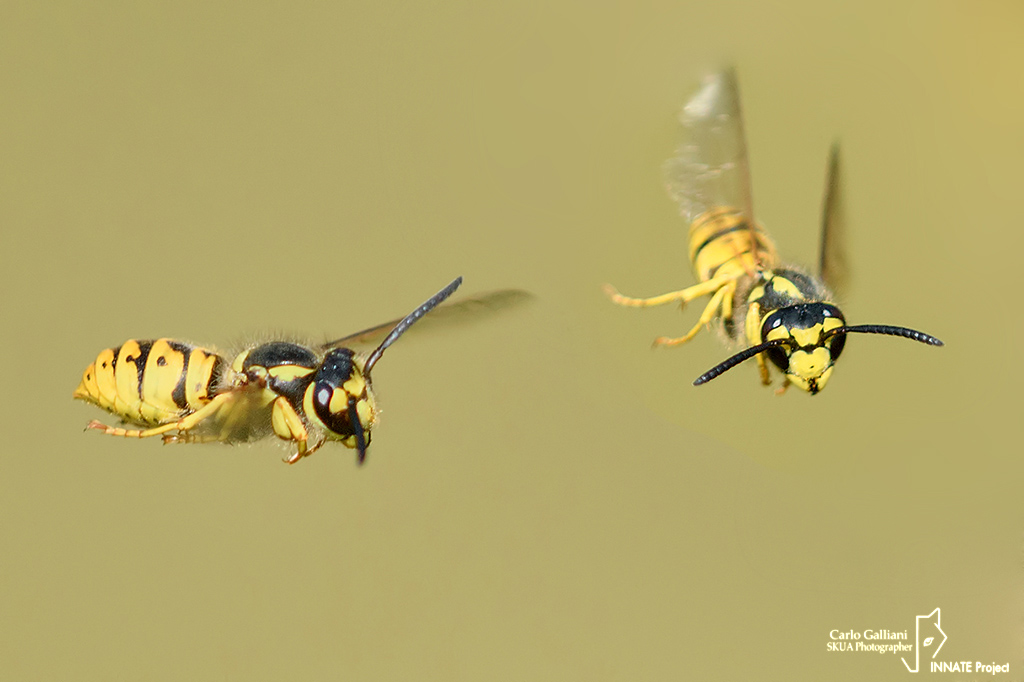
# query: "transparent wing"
{"points": [[710, 168], [832, 260], [445, 315]]}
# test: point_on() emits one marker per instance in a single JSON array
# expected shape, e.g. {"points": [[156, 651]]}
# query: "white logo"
{"points": [[929, 638], [927, 628]]}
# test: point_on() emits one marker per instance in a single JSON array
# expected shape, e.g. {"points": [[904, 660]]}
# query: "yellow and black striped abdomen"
{"points": [[151, 382], [722, 243]]}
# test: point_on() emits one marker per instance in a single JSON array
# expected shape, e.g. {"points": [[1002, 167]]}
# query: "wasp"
{"points": [[783, 314], [186, 393]]}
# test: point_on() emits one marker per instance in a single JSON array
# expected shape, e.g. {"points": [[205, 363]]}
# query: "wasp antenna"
{"points": [[889, 331], [357, 430], [408, 321], [731, 362]]}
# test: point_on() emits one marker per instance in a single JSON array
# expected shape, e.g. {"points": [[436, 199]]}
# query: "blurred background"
{"points": [[546, 497]]}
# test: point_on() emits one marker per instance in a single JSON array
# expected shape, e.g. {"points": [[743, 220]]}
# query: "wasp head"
{"points": [[806, 342], [341, 400]]}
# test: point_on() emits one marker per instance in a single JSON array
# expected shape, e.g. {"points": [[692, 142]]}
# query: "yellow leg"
{"points": [[684, 296], [313, 448], [227, 418], [782, 389], [727, 301], [762, 365], [721, 289], [186, 423], [717, 303], [192, 438], [288, 426]]}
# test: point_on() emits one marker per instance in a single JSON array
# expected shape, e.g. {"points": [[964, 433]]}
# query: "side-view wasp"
{"points": [[186, 394], [779, 311]]}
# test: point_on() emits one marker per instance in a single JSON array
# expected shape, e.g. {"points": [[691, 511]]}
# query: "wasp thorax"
{"points": [[339, 396], [810, 346], [282, 367]]}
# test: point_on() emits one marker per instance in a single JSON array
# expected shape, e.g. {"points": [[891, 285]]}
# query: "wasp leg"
{"points": [[314, 448], [189, 437], [720, 301], [762, 365], [228, 420], [684, 296], [727, 301], [288, 426], [304, 450], [782, 389], [186, 423]]}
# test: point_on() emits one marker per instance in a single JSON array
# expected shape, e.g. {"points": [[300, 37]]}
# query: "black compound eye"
{"points": [[333, 372], [829, 310], [771, 322], [836, 347], [779, 357], [337, 420]]}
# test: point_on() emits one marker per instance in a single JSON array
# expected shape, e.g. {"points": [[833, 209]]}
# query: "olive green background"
{"points": [[546, 498]]}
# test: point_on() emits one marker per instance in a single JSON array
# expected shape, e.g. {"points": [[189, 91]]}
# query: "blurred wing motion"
{"points": [[832, 259], [710, 169], [448, 315]]}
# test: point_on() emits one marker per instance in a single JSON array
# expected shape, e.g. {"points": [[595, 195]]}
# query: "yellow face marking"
{"points": [[339, 402], [356, 384], [779, 332], [364, 408], [809, 364], [809, 336], [805, 383], [289, 372]]}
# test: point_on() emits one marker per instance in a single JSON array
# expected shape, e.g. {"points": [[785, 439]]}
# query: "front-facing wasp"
{"points": [[780, 311], [307, 396]]}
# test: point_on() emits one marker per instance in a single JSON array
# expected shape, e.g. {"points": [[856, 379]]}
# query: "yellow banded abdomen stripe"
{"points": [[106, 387], [202, 371], [722, 239], [163, 373], [129, 363]]}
